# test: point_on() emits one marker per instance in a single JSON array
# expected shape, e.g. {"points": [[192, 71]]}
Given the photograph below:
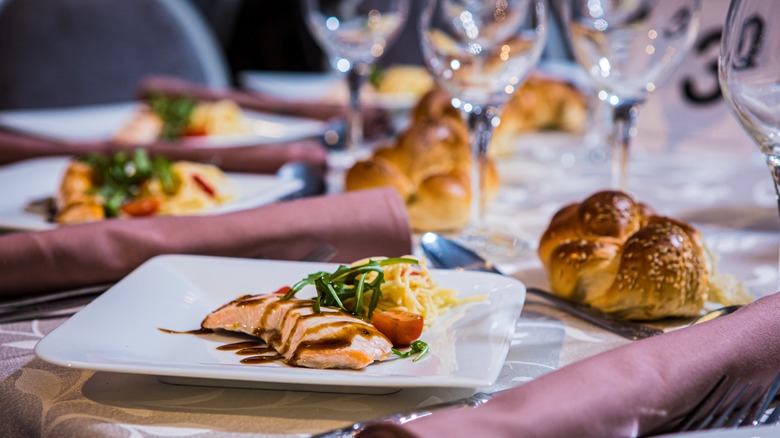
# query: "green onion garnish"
{"points": [[334, 288]]}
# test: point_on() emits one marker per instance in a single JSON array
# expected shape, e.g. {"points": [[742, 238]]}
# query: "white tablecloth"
{"points": [[723, 188]]}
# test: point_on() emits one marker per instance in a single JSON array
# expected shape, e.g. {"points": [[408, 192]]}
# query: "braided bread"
{"points": [[615, 254], [428, 164]]}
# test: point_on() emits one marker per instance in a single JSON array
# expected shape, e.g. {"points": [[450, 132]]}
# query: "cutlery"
{"points": [[313, 178], [446, 253], [736, 404], [730, 403], [404, 417], [66, 303], [717, 313]]}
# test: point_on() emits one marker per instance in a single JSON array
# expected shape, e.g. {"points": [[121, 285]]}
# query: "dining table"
{"points": [[720, 185]]}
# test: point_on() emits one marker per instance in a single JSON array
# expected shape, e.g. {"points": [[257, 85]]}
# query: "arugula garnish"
{"points": [[175, 113], [349, 282], [418, 347], [120, 176], [375, 76]]}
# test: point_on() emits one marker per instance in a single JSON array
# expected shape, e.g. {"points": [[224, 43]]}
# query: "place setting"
{"points": [[490, 241]]}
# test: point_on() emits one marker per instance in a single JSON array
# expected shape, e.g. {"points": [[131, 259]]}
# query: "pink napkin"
{"points": [[629, 391], [260, 159], [357, 224]]}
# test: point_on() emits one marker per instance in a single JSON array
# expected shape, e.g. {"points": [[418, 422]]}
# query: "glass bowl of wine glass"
{"points": [[354, 34], [628, 47], [481, 51], [749, 73]]}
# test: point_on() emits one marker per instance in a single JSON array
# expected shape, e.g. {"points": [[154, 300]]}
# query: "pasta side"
{"points": [[199, 187], [410, 287]]}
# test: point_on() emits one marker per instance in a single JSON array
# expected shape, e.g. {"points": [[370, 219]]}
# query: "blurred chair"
{"points": [[56, 53]]}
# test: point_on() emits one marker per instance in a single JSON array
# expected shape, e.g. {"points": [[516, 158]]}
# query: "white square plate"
{"points": [[32, 181], [119, 331], [101, 122]]}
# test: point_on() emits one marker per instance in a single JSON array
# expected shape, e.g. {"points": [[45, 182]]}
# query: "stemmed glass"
{"points": [[628, 47], [481, 51], [749, 71], [354, 34]]}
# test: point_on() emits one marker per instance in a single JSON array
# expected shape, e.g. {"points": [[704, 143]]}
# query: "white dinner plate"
{"points": [[119, 331], [29, 182], [320, 87], [101, 122]]}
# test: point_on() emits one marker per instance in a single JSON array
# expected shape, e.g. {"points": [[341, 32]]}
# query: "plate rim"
{"points": [[124, 109]]}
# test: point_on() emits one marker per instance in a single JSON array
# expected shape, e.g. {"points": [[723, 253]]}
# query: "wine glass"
{"points": [[628, 47], [354, 34], [749, 72], [481, 51]]}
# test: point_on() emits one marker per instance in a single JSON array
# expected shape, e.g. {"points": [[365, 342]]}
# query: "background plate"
{"points": [[101, 122], [32, 181]]}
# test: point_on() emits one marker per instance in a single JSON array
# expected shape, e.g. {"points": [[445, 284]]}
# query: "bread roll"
{"points": [[428, 165], [540, 104], [615, 254]]}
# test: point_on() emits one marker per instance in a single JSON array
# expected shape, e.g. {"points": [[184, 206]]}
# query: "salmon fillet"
{"points": [[303, 337]]}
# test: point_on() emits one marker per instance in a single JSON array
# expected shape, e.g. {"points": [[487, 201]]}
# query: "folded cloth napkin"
{"points": [[377, 122], [15, 146], [357, 224], [630, 391]]}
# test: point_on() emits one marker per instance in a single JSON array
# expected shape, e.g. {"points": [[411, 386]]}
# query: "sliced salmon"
{"points": [[303, 337]]}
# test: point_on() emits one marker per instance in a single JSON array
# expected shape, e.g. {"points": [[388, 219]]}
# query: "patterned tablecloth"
{"points": [[723, 188]]}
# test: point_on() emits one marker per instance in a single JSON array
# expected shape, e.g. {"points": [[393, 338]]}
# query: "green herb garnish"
{"points": [[175, 113], [119, 177], [417, 347], [345, 283], [375, 76]]}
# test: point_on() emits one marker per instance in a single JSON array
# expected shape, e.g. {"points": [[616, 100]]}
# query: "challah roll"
{"points": [[615, 254], [428, 164], [541, 104]]}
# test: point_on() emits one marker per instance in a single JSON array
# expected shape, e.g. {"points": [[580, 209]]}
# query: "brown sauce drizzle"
{"points": [[242, 345], [262, 359], [200, 331]]}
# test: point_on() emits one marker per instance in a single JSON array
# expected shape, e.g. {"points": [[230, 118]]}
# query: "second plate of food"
{"points": [[33, 183]]}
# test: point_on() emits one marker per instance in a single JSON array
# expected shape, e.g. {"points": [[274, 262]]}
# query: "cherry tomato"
{"points": [[401, 327], [282, 290], [192, 132], [142, 207]]}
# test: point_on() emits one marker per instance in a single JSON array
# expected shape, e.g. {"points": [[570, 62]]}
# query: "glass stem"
{"points": [[774, 166], [356, 77], [624, 124], [480, 124]]}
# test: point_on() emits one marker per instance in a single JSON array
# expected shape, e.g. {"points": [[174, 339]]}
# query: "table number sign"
{"points": [[688, 106]]}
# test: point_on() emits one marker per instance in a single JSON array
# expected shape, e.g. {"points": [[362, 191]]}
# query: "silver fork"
{"points": [[67, 303], [322, 253], [734, 403]]}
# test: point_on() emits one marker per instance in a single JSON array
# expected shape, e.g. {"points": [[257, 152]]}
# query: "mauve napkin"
{"points": [[16, 146], [629, 391], [358, 224]]}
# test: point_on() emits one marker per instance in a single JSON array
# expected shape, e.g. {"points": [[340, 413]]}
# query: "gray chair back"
{"points": [[56, 53]]}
